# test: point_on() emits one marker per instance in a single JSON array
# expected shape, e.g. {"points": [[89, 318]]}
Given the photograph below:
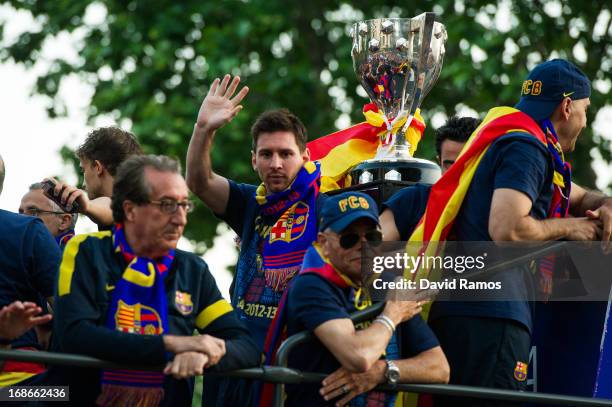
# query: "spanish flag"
{"points": [[447, 194], [339, 152]]}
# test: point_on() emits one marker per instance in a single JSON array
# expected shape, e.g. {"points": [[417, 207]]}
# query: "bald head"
{"points": [[1, 173]]}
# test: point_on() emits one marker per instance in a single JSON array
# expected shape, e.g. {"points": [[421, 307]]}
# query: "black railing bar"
{"points": [[282, 355], [277, 374]]}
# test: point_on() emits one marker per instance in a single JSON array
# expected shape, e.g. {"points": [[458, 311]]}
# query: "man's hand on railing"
{"points": [[187, 364], [350, 385], [213, 348]]}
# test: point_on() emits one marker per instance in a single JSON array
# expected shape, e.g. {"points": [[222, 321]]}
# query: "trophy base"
{"points": [[412, 171], [389, 176]]}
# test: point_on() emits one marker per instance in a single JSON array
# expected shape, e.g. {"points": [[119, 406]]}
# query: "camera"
{"points": [[48, 188]]}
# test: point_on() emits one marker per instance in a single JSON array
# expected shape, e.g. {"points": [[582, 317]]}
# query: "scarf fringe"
{"points": [[126, 396]]}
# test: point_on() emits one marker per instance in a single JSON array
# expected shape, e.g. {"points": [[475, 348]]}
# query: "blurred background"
{"points": [[67, 66]]}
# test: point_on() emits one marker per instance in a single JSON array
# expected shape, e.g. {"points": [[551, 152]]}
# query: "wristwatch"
{"points": [[393, 373]]}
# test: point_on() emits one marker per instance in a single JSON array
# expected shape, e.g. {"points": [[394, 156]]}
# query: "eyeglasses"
{"points": [[348, 240], [37, 212], [170, 206]]}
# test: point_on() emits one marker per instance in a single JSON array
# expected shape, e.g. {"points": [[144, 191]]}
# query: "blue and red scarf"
{"points": [[315, 262], [286, 226], [139, 307], [559, 205], [63, 238]]}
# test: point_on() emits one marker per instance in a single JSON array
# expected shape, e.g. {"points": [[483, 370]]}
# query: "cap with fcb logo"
{"points": [[548, 84], [339, 211]]}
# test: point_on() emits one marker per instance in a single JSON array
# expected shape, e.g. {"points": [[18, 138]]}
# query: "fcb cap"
{"points": [[548, 84], [339, 211]]}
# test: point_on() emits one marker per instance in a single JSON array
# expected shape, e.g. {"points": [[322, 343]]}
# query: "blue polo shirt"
{"points": [[515, 161], [258, 306], [29, 261], [408, 206], [312, 301]]}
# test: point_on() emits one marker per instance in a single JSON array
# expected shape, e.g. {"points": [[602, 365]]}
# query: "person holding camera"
{"points": [[99, 156], [58, 222]]}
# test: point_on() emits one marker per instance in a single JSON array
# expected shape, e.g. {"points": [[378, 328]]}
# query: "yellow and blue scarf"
{"points": [[286, 226], [139, 307]]}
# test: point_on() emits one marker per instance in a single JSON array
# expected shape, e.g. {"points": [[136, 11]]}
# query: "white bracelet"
{"points": [[386, 321], [389, 320]]}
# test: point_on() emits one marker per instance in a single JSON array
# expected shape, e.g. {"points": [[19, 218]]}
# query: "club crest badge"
{"points": [[520, 371], [291, 225], [183, 303], [138, 318]]}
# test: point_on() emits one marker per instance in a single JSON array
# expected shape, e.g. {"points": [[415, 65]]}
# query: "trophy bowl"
{"points": [[397, 61]]}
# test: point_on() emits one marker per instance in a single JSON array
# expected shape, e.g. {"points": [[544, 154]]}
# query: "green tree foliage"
{"points": [[151, 62]]}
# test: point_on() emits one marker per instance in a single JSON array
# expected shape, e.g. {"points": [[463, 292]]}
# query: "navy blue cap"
{"points": [[548, 84], [339, 211]]}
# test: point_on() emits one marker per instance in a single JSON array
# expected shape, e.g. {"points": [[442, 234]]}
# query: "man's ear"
{"points": [[129, 210], [306, 155], [566, 108], [253, 160], [65, 222], [98, 167], [323, 242]]}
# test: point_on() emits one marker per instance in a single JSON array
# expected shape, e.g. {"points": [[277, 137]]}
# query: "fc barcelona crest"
{"points": [[520, 371], [138, 318], [183, 303], [291, 225]]}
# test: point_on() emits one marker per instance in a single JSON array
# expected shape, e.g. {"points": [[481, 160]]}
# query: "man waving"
{"points": [[276, 221]]}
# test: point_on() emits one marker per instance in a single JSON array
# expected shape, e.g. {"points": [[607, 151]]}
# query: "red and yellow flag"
{"points": [[447, 194], [339, 152]]}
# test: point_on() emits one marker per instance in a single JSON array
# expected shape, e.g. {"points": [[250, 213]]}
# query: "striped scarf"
{"points": [[315, 262], [286, 226], [446, 196], [63, 238], [139, 307]]}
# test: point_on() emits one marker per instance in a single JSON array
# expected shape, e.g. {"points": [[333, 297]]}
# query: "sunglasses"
{"points": [[348, 240]]}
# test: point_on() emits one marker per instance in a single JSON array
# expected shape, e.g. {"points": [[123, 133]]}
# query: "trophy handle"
{"points": [[425, 23]]}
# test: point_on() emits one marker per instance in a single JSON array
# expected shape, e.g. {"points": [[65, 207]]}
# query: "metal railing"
{"points": [[281, 374], [284, 375]]}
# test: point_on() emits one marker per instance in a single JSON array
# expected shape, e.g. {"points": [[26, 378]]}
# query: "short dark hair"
{"points": [[130, 182], [2, 173], [457, 129], [280, 120], [109, 145]]}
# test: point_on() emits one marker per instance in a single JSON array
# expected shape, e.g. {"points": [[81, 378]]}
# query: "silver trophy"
{"points": [[397, 61]]}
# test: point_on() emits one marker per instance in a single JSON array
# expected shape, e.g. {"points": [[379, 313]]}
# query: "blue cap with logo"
{"points": [[339, 211], [548, 84]]}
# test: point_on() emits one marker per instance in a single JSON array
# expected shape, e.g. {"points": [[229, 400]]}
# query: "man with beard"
{"points": [[276, 221]]}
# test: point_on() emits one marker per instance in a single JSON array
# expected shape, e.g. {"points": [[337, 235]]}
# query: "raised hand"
{"points": [[219, 107], [68, 195], [19, 317]]}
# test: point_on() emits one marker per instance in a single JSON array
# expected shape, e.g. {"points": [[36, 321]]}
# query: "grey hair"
{"points": [[130, 183], [55, 207]]}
